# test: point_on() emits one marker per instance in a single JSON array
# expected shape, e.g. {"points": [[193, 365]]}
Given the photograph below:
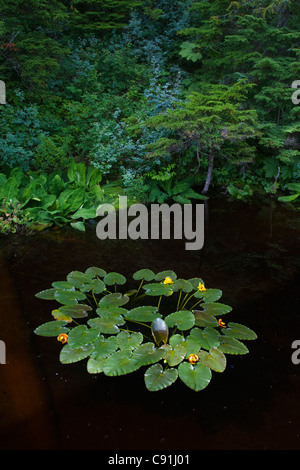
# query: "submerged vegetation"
{"points": [[173, 327]]}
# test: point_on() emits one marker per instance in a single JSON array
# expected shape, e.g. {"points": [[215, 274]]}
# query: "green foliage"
{"points": [[57, 199], [106, 325]]}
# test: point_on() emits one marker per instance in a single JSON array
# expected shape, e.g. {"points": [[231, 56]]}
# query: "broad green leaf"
{"points": [[75, 310], [58, 315], [69, 355], [114, 278], [113, 300], [84, 214], [67, 297], [78, 279], [95, 285], [176, 339], [120, 363], [64, 285], [126, 340], [156, 289], [216, 308], [207, 338], [81, 336], [95, 366], [163, 274], [146, 274], [93, 271], [202, 318], [232, 346], [197, 376], [190, 51], [182, 284], [183, 319], [214, 359], [47, 294], [147, 353], [156, 378], [103, 347], [107, 325], [195, 282], [175, 355], [78, 226], [52, 328], [143, 314], [191, 345], [209, 295], [235, 330], [290, 198], [110, 311]]}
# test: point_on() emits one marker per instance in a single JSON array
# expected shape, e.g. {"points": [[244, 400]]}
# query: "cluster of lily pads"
{"points": [[174, 327]]}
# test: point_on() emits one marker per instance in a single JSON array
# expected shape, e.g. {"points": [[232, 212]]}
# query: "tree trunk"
{"points": [[209, 171]]}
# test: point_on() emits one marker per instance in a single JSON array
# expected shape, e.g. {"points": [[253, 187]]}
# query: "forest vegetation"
{"points": [[162, 100]]}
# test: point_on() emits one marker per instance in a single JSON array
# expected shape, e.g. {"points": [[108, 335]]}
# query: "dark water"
{"points": [[251, 252]]}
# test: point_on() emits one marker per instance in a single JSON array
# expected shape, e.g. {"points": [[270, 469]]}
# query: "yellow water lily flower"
{"points": [[201, 287], [63, 338], [168, 280], [221, 323], [193, 358]]}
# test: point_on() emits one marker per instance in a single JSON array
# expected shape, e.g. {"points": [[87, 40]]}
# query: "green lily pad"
{"points": [[214, 359], [209, 295], [182, 284], [95, 366], [47, 294], [120, 363], [113, 300], [235, 330], [147, 353], [93, 271], [156, 378], [114, 278], [78, 279], [197, 376], [216, 308], [202, 318], [143, 314], [207, 338], [107, 325], [52, 328], [156, 289], [195, 282], [183, 319], [126, 340], [58, 315], [81, 336], [103, 347], [69, 355], [146, 274], [75, 310], [67, 297], [65, 285], [175, 355], [232, 346], [163, 274]]}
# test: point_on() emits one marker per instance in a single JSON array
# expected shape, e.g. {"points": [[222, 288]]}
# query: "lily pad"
{"points": [[67, 297], [147, 353], [93, 271], [95, 366], [47, 294], [197, 376], [182, 284], [206, 338], [81, 336], [156, 378], [202, 318], [58, 315], [114, 278], [143, 314], [216, 308], [156, 289], [103, 347], [175, 355], [146, 274], [183, 319], [75, 310], [52, 328], [69, 355], [232, 346], [120, 363], [126, 340], [235, 330], [114, 300], [214, 359], [209, 295], [163, 274], [78, 279], [107, 325]]}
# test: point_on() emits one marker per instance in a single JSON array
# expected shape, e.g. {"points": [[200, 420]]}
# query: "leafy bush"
{"points": [[118, 335]]}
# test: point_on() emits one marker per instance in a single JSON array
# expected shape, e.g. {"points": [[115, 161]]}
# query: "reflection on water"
{"points": [[251, 252]]}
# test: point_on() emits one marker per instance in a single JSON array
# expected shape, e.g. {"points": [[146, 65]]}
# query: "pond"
{"points": [[251, 252]]}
